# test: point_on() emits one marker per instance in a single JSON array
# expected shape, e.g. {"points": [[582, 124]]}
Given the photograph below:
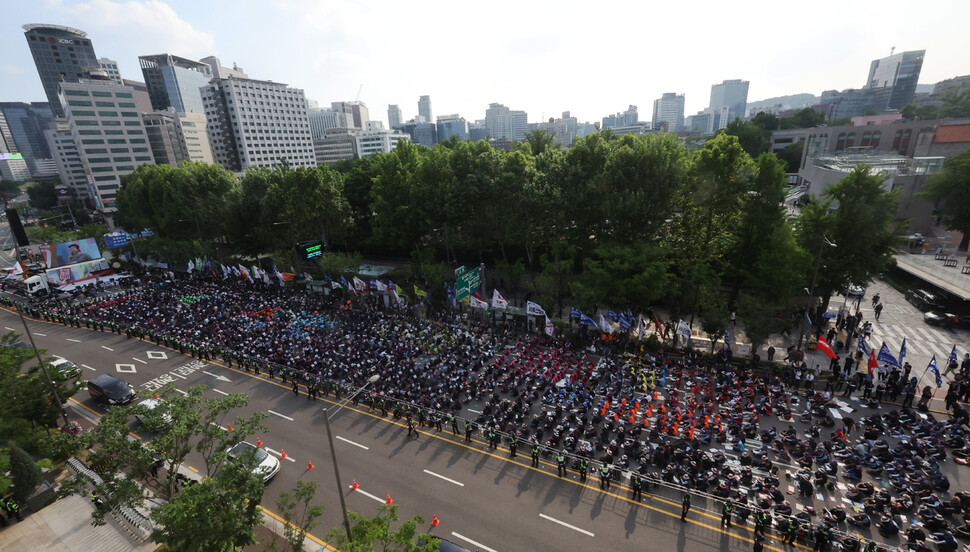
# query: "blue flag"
{"points": [[612, 315], [863, 346], [574, 313], [343, 281], [953, 356], [450, 293], [902, 351], [885, 356], [936, 372], [727, 338], [629, 315], [625, 324], [587, 321]]}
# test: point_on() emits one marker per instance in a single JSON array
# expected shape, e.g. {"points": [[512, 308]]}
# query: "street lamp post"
{"points": [[811, 292], [333, 452]]}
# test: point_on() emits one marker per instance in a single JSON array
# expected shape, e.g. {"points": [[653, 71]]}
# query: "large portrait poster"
{"points": [[78, 251]]}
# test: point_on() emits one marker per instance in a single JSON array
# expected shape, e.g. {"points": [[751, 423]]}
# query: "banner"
{"points": [[683, 329], [886, 356], [359, 285], [75, 273], [477, 303], [575, 313], [498, 302], [586, 321], [605, 325], [534, 309]]}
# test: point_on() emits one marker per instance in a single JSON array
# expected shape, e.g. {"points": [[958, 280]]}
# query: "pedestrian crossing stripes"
{"points": [[919, 341]]}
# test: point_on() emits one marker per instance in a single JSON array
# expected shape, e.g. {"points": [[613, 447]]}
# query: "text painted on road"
{"points": [[180, 372]]}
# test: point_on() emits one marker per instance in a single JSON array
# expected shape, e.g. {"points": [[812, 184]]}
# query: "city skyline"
{"points": [[333, 50]]}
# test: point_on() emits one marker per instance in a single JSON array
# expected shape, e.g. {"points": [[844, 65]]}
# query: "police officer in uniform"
{"points": [[685, 507], [727, 508], [583, 468], [605, 475], [561, 463], [513, 444], [637, 485], [760, 519], [468, 431], [791, 531], [535, 455]]}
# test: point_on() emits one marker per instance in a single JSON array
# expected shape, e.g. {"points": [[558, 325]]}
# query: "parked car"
{"points": [[946, 320], [262, 462], [924, 300], [109, 390]]}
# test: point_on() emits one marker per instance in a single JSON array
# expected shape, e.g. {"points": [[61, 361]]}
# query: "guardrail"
{"points": [[137, 525]]}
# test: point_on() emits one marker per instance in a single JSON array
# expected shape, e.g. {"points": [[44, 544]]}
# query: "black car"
{"points": [[924, 300], [946, 320], [444, 545], [109, 390]]}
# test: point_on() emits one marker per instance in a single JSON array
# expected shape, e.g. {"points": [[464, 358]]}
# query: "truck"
{"points": [[37, 286]]}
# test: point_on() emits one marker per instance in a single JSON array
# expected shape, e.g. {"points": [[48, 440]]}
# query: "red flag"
{"points": [[823, 346], [873, 363], [659, 328]]}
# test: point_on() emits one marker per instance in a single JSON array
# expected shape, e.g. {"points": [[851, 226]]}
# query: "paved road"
{"points": [[484, 500]]}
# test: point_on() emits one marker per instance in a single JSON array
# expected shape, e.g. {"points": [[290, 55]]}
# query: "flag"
{"points": [[498, 302], [278, 274], [808, 320], [641, 332], [18, 268], [823, 346], [265, 278], [398, 300], [936, 372], [534, 309], [450, 294], [379, 285], [418, 292], [587, 321], [391, 286], [612, 315], [953, 356], [606, 326], [863, 346], [191, 266], [334, 284], [575, 313], [359, 285], [625, 323], [873, 363], [902, 351], [683, 329], [244, 272], [886, 356], [727, 338], [550, 329], [477, 303]]}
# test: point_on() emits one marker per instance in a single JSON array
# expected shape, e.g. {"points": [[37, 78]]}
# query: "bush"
{"points": [[25, 473]]}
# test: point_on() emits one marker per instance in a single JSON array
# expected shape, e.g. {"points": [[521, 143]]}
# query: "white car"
{"points": [[152, 404], [262, 462], [65, 367]]}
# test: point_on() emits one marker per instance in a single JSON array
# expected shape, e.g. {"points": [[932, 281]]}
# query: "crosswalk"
{"points": [[920, 341]]}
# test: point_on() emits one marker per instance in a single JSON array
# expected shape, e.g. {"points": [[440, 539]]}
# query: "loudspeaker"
{"points": [[16, 228]]}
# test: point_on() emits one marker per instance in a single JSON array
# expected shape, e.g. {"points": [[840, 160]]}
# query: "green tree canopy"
{"points": [[950, 192]]}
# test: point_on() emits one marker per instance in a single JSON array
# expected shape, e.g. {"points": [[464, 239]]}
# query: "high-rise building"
{"points": [[520, 125], [142, 100], [220, 72], [452, 125], [394, 118], [108, 132], [424, 108], [60, 54], [69, 165], [733, 94], [322, 120], [626, 118], [893, 79], [254, 123], [356, 111], [669, 109], [710, 120], [498, 122], [13, 167], [477, 130], [421, 132], [23, 127], [176, 137], [175, 82], [339, 144], [378, 140], [110, 67]]}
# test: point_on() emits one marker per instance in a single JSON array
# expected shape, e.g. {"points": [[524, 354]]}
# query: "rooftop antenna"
{"points": [[358, 91]]}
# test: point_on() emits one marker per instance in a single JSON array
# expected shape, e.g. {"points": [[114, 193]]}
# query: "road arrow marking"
{"points": [[220, 378], [448, 479], [352, 443]]}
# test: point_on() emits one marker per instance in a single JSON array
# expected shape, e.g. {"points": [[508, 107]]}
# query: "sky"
{"points": [[589, 58]]}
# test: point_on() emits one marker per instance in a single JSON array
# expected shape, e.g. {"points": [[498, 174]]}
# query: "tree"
{"points": [[43, 195], [541, 140], [803, 118], [792, 155], [219, 513], [377, 533], [754, 139], [299, 516], [950, 192], [24, 472]]}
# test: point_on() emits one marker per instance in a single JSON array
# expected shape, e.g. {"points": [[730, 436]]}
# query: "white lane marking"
{"points": [[9, 328], [88, 367], [564, 524], [182, 392], [280, 415], [473, 543], [475, 411], [368, 495], [448, 479], [74, 340], [221, 392], [139, 360], [108, 348], [280, 454], [40, 334], [351, 442]]}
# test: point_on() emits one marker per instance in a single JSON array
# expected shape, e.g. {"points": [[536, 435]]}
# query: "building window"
{"points": [[850, 140], [840, 144], [897, 139], [76, 93], [875, 139], [105, 104], [78, 103], [866, 139], [100, 94], [904, 144]]}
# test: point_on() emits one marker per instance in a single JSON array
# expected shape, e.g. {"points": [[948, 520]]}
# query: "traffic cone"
{"points": [[282, 453], [259, 442], [154, 395], [229, 426], [434, 520], [355, 486], [309, 465], [389, 500]]}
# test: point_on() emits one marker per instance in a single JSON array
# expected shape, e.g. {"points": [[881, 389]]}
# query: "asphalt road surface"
{"points": [[484, 499]]}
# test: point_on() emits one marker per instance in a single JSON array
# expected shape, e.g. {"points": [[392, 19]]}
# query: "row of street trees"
{"points": [[622, 221]]}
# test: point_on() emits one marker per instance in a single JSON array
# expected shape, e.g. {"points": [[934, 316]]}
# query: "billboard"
{"points": [[78, 251], [76, 273], [9, 156]]}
